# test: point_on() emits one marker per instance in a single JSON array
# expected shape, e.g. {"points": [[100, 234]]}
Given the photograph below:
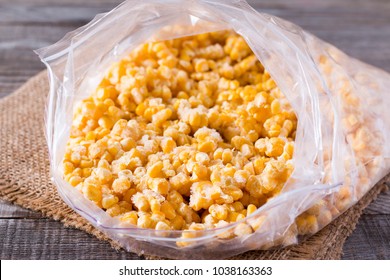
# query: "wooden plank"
{"points": [[381, 206], [9, 210], [48, 239], [371, 239], [18, 61], [50, 13]]}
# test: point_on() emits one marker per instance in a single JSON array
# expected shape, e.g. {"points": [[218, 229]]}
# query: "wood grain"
{"points": [[370, 240], [360, 28], [48, 239]]}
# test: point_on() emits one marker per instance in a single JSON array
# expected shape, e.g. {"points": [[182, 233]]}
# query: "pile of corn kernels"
{"points": [[190, 133]]}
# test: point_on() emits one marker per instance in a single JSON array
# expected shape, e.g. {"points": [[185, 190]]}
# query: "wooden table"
{"points": [[360, 28]]}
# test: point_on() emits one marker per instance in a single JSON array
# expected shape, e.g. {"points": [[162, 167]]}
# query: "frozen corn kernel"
{"points": [[162, 226], [219, 212], [145, 221], [130, 218], [274, 147], [121, 185], [75, 180], [167, 144], [159, 185], [243, 229], [185, 132], [141, 202], [156, 170], [251, 209], [109, 200], [307, 224], [181, 182]]}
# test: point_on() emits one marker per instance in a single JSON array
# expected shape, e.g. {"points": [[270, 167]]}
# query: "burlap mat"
{"points": [[24, 178]]}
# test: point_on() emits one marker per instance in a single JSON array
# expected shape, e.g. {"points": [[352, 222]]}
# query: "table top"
{"points": [[358, 27]]}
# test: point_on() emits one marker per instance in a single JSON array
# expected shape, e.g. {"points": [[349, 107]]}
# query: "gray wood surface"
{"points": [[360, 28]]}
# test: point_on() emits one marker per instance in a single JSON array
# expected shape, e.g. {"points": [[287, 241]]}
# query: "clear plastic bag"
{"points": [[341, 147]]}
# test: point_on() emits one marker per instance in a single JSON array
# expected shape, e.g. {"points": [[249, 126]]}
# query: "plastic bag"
{"points": [[343, 124]]}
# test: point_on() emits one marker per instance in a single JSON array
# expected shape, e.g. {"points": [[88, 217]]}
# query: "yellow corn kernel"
{"points": [[86, 163], [128, 143], [227, 156], [307, 224], [130, 217], [274, 147], [102, 94], [202, 158], [247, 150], [243, 229], [256, 222], [219, 212], [129, 194], [155, 205], [218, 153], [92, 192], [159, 185], [198, 119], [162, 226], [178, 222], [261, 145], [168, 210], [186, 212], [201, 65], [140, 109], [125, 206], [68, 167], [251, 209], [104, 164], [145, 221], [232, 217], [75, 180], [96, 150], [253, 186], [199, 172], [109, 201], [121, 185], [86, 172], [233, 191], [238, 141], [275, 107], [114, 210], [106, 122], [155, 170], [181, 182], [161, 116], [167, 144], [237, 206], [114, 148], [103, 175], [141, 202], [207, 147], [75, 158], [175, 198], [91, 135], [259, 164], [241, 177], [253, 135], [182, 95]]}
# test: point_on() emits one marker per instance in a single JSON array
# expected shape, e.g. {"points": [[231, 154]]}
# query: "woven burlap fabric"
{"points": [[25, 179]]}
